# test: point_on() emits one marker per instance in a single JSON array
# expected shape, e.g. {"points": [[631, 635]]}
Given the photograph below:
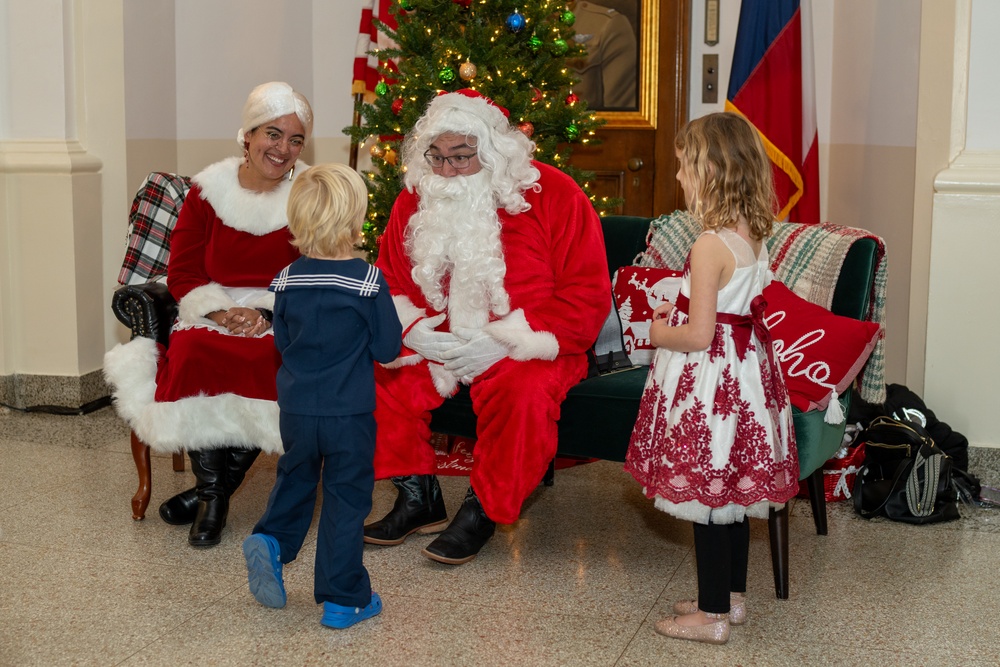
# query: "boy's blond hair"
{"points": [[724, 155], [326, 210]]}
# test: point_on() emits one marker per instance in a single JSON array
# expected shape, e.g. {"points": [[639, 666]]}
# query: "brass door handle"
{"points": [[635, 164]]}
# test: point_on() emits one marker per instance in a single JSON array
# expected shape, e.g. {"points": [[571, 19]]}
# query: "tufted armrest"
{"points": [[147, 309]]}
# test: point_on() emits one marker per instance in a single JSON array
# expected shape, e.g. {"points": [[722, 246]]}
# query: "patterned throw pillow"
{"points": [[820, 353], [638, 291]]}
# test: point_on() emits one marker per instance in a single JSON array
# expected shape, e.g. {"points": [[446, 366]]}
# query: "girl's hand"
{"points": [[663, 311]]}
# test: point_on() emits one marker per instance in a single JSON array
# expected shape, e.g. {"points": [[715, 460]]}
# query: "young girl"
{"points": [[714, 442], [333, 319]]}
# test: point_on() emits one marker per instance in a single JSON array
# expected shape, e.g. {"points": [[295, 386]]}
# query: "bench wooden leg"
{"points": [[140, 501], [777, 527], [178, 459], [817, 498]]}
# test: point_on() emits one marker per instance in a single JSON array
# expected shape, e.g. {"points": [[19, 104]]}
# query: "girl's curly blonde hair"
{"points": [[731, 172]]}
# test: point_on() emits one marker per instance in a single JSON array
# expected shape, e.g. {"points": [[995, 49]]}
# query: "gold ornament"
{"points": [[468, 71]]}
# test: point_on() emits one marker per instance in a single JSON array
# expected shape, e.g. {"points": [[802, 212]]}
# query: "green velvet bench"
{"points": [[598, 414]]}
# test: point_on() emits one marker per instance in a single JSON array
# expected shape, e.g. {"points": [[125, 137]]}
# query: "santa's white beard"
{"points": [[456, 232]]}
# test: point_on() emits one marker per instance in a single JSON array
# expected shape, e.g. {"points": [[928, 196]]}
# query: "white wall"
{"points": [[866, 114], [983, 130]]}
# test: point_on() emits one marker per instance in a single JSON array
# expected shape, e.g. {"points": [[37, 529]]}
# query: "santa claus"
{"points": [[497, 267]]}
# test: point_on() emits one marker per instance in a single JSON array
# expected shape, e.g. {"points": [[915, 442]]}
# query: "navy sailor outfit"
{"points": [[333, 319]]}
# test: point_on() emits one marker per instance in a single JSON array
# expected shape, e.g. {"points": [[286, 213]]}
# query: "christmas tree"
{"points": [[516, 52]]}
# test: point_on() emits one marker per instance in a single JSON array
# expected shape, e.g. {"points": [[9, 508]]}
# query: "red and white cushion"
{"points": [[638, 291]]}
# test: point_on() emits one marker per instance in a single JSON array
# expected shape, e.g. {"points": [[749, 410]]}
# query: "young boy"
{"points": [[333, 318]]}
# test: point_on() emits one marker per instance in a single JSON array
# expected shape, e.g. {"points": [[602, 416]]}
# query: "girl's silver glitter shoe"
{"points": [[710, 633], [737, 609]]}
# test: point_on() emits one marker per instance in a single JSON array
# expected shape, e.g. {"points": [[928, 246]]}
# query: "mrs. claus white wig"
{"points": [[274, 100], [504, 151]]}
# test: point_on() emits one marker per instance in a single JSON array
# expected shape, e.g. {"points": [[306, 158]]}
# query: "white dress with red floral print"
{"points": [[714, 439]]}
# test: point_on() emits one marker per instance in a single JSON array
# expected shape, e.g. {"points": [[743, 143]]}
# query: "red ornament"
{"points": [[572, 99], [536, 95], [464, 3], [397, 105], [527, 128]]}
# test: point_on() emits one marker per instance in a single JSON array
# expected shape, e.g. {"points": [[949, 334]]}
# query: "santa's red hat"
{"points": [[472, 95]]}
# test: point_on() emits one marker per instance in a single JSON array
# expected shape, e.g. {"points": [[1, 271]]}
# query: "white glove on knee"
{"points": [[428, 343], [474, 355]]}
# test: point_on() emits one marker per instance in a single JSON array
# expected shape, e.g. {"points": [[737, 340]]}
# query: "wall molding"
{"points": [[47, 156], [972, 173]]}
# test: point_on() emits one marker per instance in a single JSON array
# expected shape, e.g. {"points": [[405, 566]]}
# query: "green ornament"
{"points": [[535, 43], [572, 132], [560, 47], [405, 5], [568, 17], [368, 227], [381, 88], [446, 75]]}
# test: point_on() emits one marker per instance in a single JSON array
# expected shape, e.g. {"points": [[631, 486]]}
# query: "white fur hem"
{"points": [[524, 343], [195, 423]]}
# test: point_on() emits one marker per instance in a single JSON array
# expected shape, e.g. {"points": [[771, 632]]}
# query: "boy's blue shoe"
{"points": [[264, 570], [337, 616]]}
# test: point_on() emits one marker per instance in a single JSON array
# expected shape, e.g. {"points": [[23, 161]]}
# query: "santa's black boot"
{"points": [[467, 533], [419, 508]]}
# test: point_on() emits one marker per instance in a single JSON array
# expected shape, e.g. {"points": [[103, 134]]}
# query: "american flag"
{"points": [[366, 74]]}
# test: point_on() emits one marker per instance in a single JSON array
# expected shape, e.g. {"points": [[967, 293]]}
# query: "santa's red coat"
{"points": [[560, 294]]}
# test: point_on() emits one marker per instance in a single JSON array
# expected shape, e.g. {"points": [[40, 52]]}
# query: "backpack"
{"points": [[905, 477]]}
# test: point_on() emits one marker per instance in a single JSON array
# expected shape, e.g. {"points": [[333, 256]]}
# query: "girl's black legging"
{"points": [[721, 552]]}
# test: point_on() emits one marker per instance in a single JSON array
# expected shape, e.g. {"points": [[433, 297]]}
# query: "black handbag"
{"points": [[905, 477]]}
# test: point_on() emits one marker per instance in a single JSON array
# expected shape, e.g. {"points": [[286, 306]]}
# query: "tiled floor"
{"points": [[579, 580]]}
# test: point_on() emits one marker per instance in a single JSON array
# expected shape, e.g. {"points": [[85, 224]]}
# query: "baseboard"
{"points": [[55, 393]]}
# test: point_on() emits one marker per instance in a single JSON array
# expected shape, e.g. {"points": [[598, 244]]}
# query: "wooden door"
{"points": [[635, 160]]}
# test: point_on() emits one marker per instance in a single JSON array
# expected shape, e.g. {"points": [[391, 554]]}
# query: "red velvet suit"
{"points": [[211, 389], [557, 281]]}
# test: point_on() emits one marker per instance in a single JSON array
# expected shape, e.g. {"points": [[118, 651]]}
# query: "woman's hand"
{"points": [[241, 321]]}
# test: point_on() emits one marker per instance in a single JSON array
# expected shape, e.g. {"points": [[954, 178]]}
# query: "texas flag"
{"points": [[772, 84], [366, 73]]}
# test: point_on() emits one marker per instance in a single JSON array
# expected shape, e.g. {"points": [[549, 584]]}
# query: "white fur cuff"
{"points": [[203, 300], [524, 343], [407, 312]]}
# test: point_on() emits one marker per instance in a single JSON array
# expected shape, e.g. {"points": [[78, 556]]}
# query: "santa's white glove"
{"points": [[475, 355], [430, 344]]}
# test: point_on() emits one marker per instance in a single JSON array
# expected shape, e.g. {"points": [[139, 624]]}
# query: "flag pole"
{"points": [[355, 122]]}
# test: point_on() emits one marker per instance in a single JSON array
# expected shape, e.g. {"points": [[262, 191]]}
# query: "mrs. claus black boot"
{"points": [[238, 462], [419, 508], [180, 510], [209, 466], [467, 533]]}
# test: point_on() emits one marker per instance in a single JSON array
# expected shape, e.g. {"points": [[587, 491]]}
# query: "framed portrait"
{"points": [[618, 77]]}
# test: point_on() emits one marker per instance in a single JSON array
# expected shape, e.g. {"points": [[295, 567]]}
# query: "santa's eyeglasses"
{"points": [[457, 162]]}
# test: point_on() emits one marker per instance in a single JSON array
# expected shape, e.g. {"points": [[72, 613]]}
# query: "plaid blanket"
{"points": [[806, 258], [152, 218]]}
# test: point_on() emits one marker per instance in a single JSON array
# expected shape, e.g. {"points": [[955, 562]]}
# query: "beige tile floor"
{"points": [[579, 580]]}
